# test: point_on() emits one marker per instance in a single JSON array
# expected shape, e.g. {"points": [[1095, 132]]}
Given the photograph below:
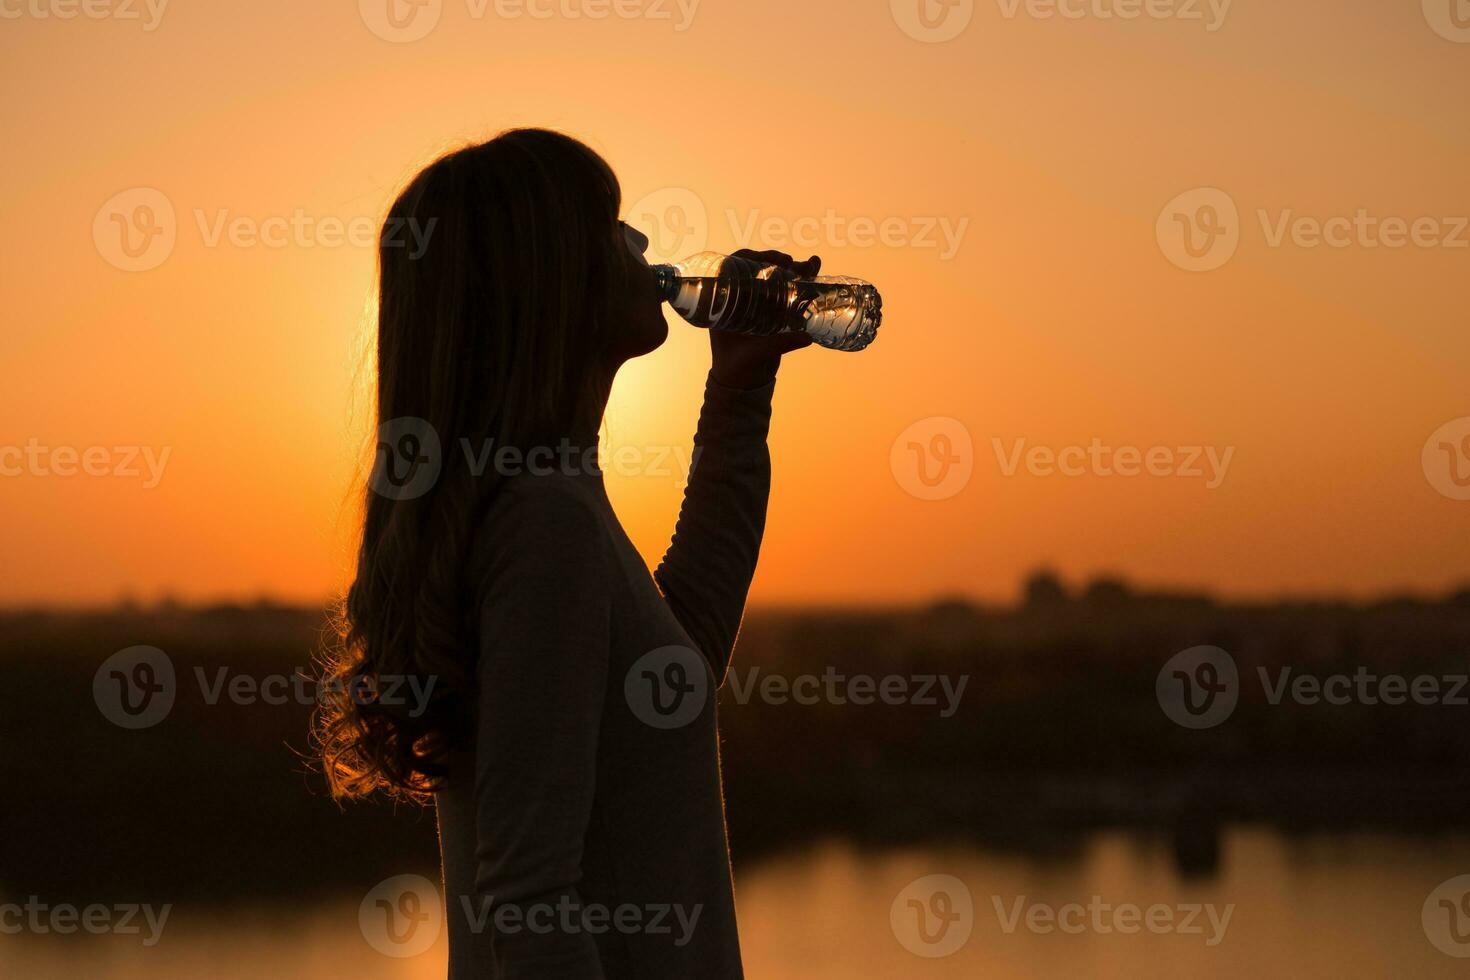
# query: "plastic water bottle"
{"points": [[724, 292]]}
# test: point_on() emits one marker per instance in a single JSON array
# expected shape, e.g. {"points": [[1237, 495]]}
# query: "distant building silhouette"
{"points": [[1044, 588], [1108, 591]]}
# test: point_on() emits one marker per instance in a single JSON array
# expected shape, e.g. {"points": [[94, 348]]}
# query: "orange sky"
{"points": [[1047, 146]]}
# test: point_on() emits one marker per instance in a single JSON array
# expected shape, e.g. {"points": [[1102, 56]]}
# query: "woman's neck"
{"points": [[586, 430]]}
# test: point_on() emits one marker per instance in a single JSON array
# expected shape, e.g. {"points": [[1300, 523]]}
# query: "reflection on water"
{"points": [[1325, 906]]}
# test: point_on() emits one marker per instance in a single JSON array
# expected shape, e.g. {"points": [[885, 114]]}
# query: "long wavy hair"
{"points": [[497, 274]]}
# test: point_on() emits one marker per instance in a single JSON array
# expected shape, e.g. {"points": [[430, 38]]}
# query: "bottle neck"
{"points": [[666, 282]]}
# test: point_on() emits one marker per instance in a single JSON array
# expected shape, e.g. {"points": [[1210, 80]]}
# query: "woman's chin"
{"points": [[650, 337]]}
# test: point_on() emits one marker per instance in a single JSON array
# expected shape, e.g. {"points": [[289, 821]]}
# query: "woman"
{"points": [[569, 736]]}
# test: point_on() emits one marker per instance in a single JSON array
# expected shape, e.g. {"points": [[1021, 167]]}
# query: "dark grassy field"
{"points": [[1058, 732]]}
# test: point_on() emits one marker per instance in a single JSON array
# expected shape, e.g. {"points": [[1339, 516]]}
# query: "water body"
{"points": [[1116, 906]]}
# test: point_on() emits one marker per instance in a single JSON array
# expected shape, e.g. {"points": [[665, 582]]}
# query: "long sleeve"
{"points": [[545, 635], [706, 572]]}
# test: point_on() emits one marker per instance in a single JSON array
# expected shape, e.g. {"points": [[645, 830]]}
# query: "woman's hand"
{"points": [[746, 361]]}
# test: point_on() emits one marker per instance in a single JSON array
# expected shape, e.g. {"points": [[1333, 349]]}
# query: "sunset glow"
{"points": [[1003, 189]]}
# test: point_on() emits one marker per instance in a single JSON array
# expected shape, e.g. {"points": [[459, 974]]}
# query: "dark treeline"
{"points": [[1056, 732]]}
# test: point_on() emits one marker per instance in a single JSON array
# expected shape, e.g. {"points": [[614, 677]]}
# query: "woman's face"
{"points": [[639, 326]]}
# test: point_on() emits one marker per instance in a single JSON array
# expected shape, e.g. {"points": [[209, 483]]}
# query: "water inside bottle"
{"points": [[837, 312]]}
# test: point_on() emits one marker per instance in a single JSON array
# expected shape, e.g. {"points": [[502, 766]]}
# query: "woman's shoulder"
{"points": [[551, 495], [533, 518]]}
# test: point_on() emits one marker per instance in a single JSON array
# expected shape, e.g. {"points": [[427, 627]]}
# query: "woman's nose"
{"points": [[638, 239]]}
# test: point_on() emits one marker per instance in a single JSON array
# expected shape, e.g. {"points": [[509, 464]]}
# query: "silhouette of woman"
{"points": [[568, 734]]}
